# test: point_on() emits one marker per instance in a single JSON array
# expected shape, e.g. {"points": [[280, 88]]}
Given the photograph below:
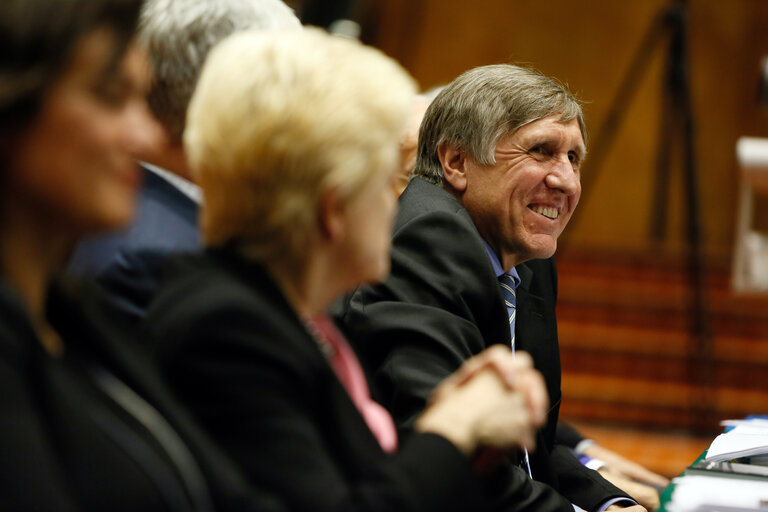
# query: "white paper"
{"points": [[695, 492], [747, 439]]}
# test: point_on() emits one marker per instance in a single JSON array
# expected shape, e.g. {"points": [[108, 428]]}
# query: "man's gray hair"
{"points": [[483, 104], [179, 34]]}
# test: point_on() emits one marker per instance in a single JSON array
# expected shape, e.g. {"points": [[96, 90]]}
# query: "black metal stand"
{"points": [[676, 130], [701, 350]]}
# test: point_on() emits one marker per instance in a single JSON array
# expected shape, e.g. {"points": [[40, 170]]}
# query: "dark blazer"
{"points": [[128, 264], [70, 436], [241, 359], [442, 304]]}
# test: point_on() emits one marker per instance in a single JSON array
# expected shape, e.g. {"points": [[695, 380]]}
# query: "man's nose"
{"points": [[144, 135], [563, 176]]}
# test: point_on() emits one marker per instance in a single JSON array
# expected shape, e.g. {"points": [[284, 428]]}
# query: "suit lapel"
{"points": [[536, 333], [531, 312]]}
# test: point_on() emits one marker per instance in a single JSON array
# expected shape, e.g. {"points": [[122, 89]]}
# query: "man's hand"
{"points": [[625, 468], [494, 400], [516, 373]]}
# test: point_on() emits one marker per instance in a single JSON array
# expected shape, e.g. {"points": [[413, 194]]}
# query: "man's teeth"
{"points": [[547, 212]]}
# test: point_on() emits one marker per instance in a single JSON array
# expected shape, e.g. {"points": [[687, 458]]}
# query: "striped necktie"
{"points": [[508, 286]]}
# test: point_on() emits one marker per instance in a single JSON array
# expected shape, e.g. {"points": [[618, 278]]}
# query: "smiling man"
{"points": [[496, 182]]}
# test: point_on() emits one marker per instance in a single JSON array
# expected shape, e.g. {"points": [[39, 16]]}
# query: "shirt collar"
{"points": [[496, 264], [184, 186]]}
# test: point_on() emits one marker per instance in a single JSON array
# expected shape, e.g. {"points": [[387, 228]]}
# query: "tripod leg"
{"points": [[668, 121]]}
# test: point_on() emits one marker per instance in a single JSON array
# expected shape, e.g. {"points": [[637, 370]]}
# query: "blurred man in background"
{"points": [[178, 35]]}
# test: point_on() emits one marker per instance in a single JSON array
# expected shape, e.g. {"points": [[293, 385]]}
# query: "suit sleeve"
{"points": [[567, 435], [583, 486]]}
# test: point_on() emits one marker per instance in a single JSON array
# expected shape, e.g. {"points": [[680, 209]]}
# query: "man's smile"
{"points": [[546, 211]]}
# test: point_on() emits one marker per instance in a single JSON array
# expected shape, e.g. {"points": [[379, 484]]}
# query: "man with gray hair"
{"points": [[178, 35], [496, 181]]}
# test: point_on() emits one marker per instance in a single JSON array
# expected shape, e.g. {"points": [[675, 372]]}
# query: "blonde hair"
{"points": [[280, 118]]}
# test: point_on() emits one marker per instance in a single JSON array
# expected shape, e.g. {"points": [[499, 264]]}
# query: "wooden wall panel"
{"points": [[588, 44]]}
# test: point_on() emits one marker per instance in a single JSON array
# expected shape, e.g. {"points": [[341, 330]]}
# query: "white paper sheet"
{"points": [[694, 492]]}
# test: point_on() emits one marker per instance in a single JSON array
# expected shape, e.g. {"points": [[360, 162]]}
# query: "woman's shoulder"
{"points": [[204, 284], [219, 301]]}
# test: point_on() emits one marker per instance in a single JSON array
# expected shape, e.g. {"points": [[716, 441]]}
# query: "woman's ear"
{"points": [[454, 162], [332, 217]]}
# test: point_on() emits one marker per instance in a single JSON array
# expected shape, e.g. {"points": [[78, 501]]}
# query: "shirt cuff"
{"points": [[626, 502], [583, 445], [591, 463]]}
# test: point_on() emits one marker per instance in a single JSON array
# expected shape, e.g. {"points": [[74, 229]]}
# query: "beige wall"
{"points": [[588, 44]]}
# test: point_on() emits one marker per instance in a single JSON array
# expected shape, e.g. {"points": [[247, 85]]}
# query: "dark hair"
{"points": [[38, 38]]}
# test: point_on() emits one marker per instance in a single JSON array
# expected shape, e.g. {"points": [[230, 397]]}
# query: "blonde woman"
{"points": [[293, 139]]}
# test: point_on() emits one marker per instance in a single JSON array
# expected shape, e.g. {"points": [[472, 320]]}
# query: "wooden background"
{"points": [[588, 44]]}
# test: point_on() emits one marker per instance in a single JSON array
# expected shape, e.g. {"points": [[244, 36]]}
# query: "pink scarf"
{"points": [[348, 370]]}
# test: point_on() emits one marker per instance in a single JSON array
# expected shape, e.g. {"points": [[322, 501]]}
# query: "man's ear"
{"points": [[331, 215], [454, 164]]}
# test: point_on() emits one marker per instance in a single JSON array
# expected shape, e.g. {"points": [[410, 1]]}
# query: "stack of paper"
{"points": [[748, 438], [710, 493], [704, 488]]}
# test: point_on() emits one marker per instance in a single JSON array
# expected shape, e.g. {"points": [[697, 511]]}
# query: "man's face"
{"points": [[523, 202]]}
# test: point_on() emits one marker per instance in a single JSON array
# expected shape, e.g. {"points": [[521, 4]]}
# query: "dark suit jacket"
{"points": [[442, 304], [241, 359], [128, 264], [67, 444]]}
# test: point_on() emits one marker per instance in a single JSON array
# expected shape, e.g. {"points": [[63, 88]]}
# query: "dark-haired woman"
{"points": [[84, 424]]}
